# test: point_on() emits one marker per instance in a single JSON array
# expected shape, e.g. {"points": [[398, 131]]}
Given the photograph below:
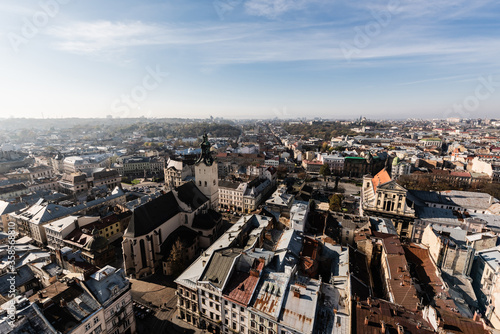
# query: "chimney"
{"points": [[63, 302], [477, 316], [296, 292], [401, 329], [382, 327], [367, 319], [369, 301]]}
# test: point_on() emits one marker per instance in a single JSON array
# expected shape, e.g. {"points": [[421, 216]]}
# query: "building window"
{"points": [[96, 320], [87, 326]]}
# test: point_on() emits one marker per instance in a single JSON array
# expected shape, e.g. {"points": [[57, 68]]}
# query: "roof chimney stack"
{"points": [[382, 327]]}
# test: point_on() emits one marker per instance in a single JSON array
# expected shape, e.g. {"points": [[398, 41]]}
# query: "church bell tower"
{"points": [[207, 174]]}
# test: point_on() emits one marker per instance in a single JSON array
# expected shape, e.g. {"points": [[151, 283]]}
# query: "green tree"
{"points": [[336, 202], [312, 205], [325, 171], [176, 258], [282, 172]]}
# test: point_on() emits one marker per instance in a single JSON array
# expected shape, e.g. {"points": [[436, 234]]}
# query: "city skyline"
{"points": [[250, 59]]}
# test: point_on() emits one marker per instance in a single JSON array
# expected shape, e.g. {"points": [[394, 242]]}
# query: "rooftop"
{"points": [[220, 266], [399, 281], [299, 309], [270, 292], [369, 316], [62, 223], [106, 284], [242, 284], [70, 307], [157, 211], [465, 199], [380, 178]]}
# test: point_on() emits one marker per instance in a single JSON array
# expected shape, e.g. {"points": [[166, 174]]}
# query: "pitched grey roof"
{"points": [[151, 215], [29, 320], [23, 276], [103, 283], [70, 307], [6, 207], [154, 213], [41, 213], [219, 267]]}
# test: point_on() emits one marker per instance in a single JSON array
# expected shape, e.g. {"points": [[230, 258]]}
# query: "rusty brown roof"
{"points": [[375, 311], [400, 282]]}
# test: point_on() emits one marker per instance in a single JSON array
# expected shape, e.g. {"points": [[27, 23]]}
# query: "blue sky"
{"points": [[250, 59]]}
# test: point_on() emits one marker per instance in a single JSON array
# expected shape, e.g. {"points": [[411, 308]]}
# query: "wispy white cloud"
{"points": [[275, 41], [461, 78], [274, 8], [434, 10]]}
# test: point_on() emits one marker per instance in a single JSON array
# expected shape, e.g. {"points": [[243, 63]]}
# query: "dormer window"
{"points": [[113, 289]]}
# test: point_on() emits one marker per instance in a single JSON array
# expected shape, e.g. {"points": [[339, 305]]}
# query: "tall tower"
{"points": [[207, 175]]}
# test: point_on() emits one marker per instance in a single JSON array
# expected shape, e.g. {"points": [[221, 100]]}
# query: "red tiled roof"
{"points": [[381, 178], [241, 287]]}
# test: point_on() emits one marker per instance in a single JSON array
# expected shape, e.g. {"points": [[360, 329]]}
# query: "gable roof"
{"points": [[381, 178], [189, 194], [154, 213], [151, 215], [391, 185], [220, 266]]}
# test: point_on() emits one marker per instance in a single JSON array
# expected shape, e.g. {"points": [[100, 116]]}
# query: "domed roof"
{"points": [[395, 161], [97, 242]]}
